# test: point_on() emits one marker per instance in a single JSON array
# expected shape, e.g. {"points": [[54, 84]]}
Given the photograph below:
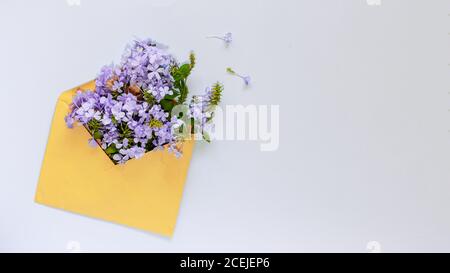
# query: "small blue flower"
{"points": [[247, 79], [106, 120], [92, 143], [117, 86], [227, 38], [69, 121]]}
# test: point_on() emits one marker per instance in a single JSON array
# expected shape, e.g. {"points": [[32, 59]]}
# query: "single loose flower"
{"points": [[227, 38], [246, 79]]}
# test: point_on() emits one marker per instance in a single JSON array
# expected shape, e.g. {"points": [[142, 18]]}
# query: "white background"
{"points": [[364, 122]]}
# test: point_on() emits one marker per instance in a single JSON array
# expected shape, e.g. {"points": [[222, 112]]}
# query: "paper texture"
{"points": [[143, 193]]}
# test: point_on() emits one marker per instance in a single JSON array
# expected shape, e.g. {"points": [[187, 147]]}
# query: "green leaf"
{"points": [[114, 120], [94, 125], [97, 135], [184, 91], [167, 105], [111, 149], [231, 71], [206, 137], [149, 98], [173, 96], [180, 75], [184, 70]]}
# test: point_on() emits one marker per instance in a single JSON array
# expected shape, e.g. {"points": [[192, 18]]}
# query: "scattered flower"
{"points": [[227, 38], [246, 79]]}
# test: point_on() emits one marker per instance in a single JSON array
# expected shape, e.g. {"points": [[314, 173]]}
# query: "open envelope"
{"points": [[143, 193]]}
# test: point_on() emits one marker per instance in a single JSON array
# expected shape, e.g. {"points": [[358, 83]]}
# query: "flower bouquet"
{"points": [[129, 112], [138, 116]]}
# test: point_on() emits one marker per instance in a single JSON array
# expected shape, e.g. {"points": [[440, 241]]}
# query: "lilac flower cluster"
{"points": [[148, 67], [123, 113], [129, 111]]}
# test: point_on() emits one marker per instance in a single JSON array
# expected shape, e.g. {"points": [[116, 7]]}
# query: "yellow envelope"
{"points": [[143, 193]]}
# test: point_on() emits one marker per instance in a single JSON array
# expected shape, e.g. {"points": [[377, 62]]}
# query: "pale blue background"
{"points": [[364, 104]]}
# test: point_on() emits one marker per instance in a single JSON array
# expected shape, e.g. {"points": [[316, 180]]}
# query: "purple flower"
{"points": [[175, 150], [92, 143], [130, 104], [126, 154], [117, 157], [142, 132], [116, 110], [69, 121], [106, 120], [84, 108], [227, 38], [246, 79], [147, 66], [117, 86]]}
